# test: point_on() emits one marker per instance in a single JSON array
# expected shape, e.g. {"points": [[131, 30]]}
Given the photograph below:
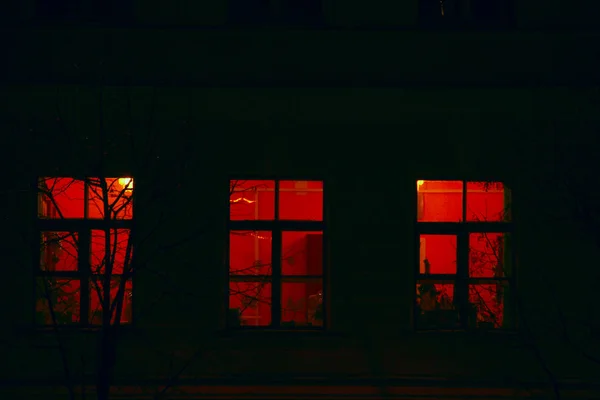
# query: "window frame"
{"points": [[461, 230], [82, 228], [276, 227]]}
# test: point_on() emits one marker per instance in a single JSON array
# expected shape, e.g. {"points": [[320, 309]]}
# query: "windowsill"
{"points": [[491, 332], [67, 329], [277, 332]]}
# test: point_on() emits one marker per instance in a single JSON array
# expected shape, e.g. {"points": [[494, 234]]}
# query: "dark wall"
{"points": [[533, 14], [300, 58], [369, 146]]}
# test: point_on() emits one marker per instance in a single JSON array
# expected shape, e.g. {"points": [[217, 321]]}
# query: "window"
{"points": [[291, 12], [465, 263], [85, 249], [276, 253]]}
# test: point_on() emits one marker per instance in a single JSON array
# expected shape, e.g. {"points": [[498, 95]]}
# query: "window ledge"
{"points": [[468, 332], [266, 332], [50, 330]]}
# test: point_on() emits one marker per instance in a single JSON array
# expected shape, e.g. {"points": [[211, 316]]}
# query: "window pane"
{"points": [[301, 200], [251, 302], [58, 251], [117, 253], [97, 293], [251, 200], [120, 198], [302, 253], [60, 198], [488, 255], [439, 201], [487, 201], [488, 306], [302, 303], [435, 306], [437, 254], [60, 295], [250, 252]]}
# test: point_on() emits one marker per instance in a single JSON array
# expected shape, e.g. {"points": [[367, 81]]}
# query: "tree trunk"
{"points": [[106, 361]]}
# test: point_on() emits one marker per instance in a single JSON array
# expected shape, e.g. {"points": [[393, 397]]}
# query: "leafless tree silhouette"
{"points": [[89, 252], [582, 207]]}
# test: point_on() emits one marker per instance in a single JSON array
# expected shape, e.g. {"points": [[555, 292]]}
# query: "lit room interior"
{"points": [[64, 277], [292, 214], [473, 216]]}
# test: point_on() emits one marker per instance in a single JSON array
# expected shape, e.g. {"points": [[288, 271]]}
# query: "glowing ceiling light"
{"points": [[419, 183], [245, 200]]}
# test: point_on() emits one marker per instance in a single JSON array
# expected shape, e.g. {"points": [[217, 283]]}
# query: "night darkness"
{"points": [[300, 199]]}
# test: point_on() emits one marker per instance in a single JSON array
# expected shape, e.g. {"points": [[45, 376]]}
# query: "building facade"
{"points": [[320, 199]]}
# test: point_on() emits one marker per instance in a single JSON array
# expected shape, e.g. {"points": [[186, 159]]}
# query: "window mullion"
{"points": [[84, 274], [276, 202], [276, 265], [86, 198], [462, 278], [462, 265], [276, 278], [84, 260], [464, 201]]}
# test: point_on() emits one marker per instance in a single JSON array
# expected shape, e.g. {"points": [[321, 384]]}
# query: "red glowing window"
{"points": [[487, 304], [65, 198], [302, 281], [118, 289], [250, 252], [251, 200], [302, 302], [301, 200], [465, 258], [438, 254], [114, 195], [454, 201], [252, 302], [435, 303], [61, 198], [488, 256], [276, 260], [59, 251], [58, 301], [117, 255], [440, 201], [487, 201], [302, 253], [75, 257]]}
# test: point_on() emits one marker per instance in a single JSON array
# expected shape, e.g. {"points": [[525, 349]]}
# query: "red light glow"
{"points": [[443, 201], [63, 199], [301, 257]]}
